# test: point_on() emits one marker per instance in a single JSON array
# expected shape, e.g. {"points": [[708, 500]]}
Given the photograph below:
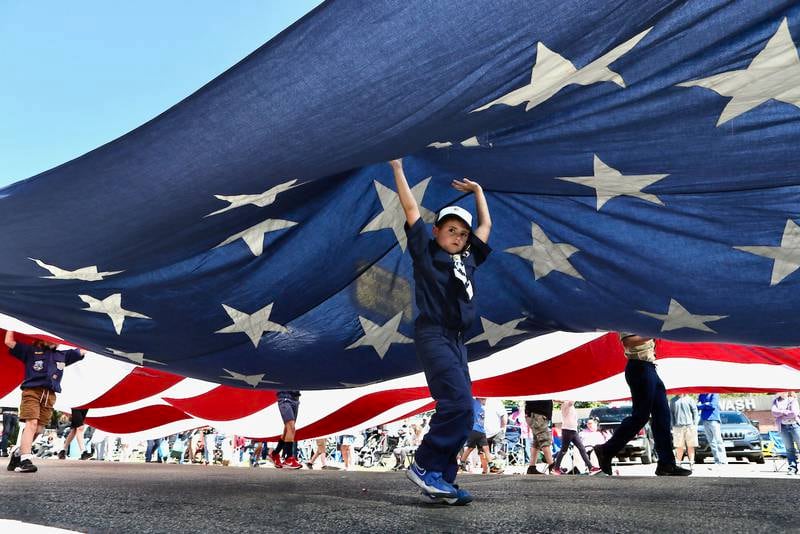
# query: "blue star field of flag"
{"points": [[640, 159]]}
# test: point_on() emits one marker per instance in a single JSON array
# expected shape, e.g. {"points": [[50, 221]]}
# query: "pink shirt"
{"points": [[786, 410]]}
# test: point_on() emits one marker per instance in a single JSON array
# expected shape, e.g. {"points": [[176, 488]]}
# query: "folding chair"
{"points": [[778, 451]]}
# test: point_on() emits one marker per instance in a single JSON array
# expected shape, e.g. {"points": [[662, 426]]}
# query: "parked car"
{"points": [[740, 437], [640, 446]]}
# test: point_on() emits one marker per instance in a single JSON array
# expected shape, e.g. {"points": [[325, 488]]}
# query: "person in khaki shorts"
{"points": [[685, 416], [44, 368], [538, 414]]}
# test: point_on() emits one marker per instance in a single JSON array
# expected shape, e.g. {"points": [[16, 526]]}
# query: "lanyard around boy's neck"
{"points": [[461, 273]]}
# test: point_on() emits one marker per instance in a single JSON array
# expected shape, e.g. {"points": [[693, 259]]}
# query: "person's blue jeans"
{"points": [[791, 441], [649, 399], [10, 421], [152, 447], [443, 357], [715, 442]]}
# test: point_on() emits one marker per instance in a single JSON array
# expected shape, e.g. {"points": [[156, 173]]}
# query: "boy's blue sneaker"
{"points": [[431, 482], [463, 497]]}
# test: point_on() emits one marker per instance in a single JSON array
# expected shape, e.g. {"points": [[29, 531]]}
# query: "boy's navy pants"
{"points": [[649, 397], [443, 357]]}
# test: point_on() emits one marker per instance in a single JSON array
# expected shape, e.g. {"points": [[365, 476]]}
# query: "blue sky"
{"points": [[76, 75]]}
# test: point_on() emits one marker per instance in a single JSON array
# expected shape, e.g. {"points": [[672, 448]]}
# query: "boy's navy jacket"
{"points": [[440, 296], [708, 403], [44, 367]]}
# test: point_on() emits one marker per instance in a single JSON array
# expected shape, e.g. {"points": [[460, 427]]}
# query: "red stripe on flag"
{"points": [[12, 371], [358, 411], [225, 403], [137, 420], [729, 353], [139, 384], [595, 361]]}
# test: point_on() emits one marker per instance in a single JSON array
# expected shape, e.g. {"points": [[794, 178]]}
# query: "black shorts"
{"points": [[476, 440], [78, 416]]}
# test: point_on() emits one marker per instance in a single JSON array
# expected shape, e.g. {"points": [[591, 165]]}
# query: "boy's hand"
{"points": [[466, 185]]}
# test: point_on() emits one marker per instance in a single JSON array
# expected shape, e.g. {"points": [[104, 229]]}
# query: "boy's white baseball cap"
{"points": [[459, 212]]}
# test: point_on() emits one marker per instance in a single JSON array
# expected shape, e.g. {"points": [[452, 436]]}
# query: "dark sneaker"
{"points": [[85, 455], [62, 455], [671, 470], [309, 465], [14, 461], [603, 460], [791, 471], [533, 471], [26, 466], [431, 482], [292, 463]]}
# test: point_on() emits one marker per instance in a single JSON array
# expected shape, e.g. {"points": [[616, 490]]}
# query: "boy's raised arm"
{"points": [[10, 341], [407, 200], [481, 207]]}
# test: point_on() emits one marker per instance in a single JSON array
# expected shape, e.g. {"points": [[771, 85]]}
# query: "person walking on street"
{"points": [[444, 288], [649, 399], [708, 403], [44, 368], [684, 414], [787, 418]]}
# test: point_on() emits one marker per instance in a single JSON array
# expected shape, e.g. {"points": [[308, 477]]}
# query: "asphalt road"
{"points": [[111, 497]]}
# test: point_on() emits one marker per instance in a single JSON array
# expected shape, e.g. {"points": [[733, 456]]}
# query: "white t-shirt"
{"points": [[495, 411], [569, 416]]}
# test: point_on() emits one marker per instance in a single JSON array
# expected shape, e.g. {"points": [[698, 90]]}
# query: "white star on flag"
{"points": [[466, 143], [774, 74], [261, 200], [442, 144], [88, 274], [111, 306], [251, 380], [380, 337], [254, 325], [494, 333], [679, 317], [136, 357], [393, 215], [254, 236], [609, 183], [552, 72], [786, 256], [545, 255]]}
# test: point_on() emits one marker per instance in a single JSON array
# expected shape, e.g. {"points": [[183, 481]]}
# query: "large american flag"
{"points": [[640, 160]]}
